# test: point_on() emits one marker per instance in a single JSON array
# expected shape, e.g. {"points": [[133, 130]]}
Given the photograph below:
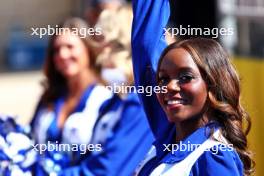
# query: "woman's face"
{"points": [[71, 56], [186, 90]]}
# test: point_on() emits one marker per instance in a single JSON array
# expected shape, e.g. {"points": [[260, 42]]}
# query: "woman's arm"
{"points": [[148, 42]]}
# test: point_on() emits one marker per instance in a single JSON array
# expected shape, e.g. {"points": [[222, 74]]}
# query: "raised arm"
{"points": [[148, 42]]}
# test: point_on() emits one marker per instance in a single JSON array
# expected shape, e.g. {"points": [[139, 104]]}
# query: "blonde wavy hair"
{"points": [[116, 27]]}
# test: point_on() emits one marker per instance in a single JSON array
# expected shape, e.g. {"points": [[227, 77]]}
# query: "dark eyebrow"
{"points": [[182, 69], [186, 69]]}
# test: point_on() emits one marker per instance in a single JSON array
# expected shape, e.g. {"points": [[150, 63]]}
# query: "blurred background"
{"points": [[22, 55]]}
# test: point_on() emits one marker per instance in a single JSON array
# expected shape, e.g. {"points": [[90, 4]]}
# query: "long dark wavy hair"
{"points": [[55, 84], [223, 102]]}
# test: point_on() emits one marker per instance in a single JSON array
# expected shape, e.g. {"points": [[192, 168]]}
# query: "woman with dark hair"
{"points": [[78, 111], [203, 133], [73, 93]]}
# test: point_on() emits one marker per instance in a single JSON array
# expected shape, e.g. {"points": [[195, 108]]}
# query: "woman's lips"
{"points": [[174, 104]]}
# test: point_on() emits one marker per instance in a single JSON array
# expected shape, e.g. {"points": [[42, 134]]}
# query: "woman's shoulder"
{"points": [[221, 159]]}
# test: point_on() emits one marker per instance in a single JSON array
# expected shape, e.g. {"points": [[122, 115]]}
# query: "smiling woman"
{"points": [[187, 90], [206, 90], [203, 94], [80, 126], [202, 103], [72, 100]]}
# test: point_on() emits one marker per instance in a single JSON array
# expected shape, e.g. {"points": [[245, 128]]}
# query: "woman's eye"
{"points": [[163, 80], [185, 78], [69, 46]]}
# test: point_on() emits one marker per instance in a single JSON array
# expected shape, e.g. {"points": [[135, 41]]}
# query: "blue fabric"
{"points": [[148, 42], [123, 150]]}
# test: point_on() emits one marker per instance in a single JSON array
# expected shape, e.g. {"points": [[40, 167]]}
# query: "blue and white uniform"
{"points": [[148, 42], [120, 126], [78, 127], [125, 147], [198, 154]]}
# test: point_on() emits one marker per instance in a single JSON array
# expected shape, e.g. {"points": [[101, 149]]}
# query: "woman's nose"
{"points": [[63, 53], [173, 85]]}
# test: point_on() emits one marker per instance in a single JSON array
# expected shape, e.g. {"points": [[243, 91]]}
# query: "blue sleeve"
{"points": [[225, 163], [148, 42], [124, 149]]}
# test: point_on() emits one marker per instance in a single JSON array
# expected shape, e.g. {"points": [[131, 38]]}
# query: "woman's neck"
{"points": [[77, 84]]}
